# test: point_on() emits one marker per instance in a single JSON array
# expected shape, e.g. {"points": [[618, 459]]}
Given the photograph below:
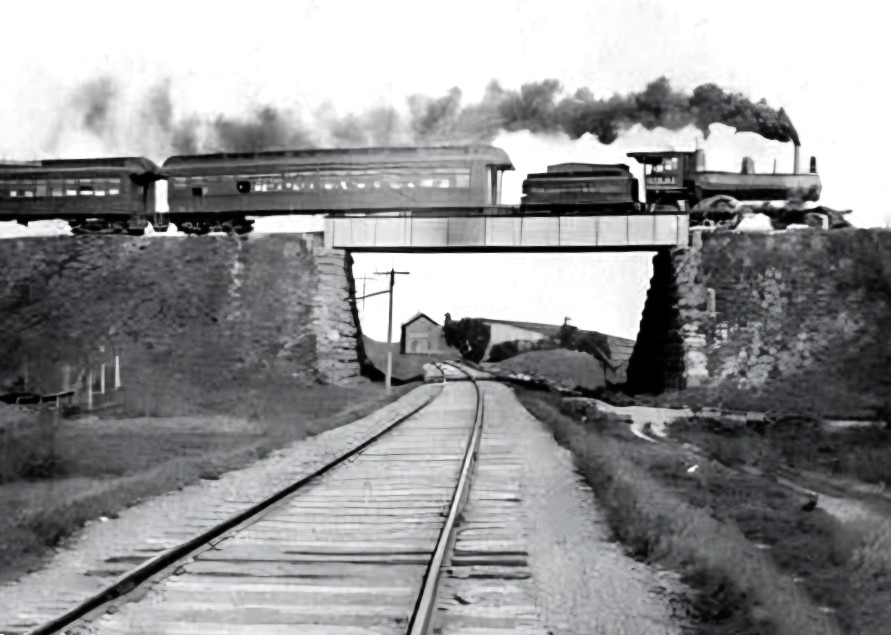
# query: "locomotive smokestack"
{"points": [[795, 164]]}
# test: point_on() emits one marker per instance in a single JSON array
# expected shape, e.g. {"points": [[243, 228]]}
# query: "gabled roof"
{"points": [[418, 316]]}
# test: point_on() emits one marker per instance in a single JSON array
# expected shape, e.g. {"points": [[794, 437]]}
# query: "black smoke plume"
{"points": [[539, 107], [95, 101], [159, 105], [264, 129]]}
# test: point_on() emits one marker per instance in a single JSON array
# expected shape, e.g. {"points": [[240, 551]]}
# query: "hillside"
{"points": [[407, 367], [567, 369]]}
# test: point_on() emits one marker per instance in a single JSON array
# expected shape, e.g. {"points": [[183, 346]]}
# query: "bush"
{"points": [[596, 344], [469, 336], [27, 443], [503, 351], [741, 590]]}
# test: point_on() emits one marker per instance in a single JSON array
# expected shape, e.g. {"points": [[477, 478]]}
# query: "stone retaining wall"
{"points": [[797, 320], [184, 315]]}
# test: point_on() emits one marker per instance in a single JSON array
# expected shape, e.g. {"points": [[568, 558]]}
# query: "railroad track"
{"points": [[355, 548]]}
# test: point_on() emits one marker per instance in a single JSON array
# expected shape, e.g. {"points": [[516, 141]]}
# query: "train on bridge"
{"points": [[219, 192]]}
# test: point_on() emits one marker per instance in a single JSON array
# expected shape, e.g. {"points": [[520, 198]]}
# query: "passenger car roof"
{"points": [[348, 156], [98, 166]]}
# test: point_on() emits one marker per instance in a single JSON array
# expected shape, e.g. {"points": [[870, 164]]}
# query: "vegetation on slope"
{"points": [[761, 559]]}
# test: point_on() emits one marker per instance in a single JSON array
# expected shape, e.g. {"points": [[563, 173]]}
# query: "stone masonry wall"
{"points": [[185, 315], [794, 320], [657, 361], [339, 348]]}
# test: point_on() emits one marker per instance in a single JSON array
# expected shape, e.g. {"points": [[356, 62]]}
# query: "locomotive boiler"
{"points": [[678, 181]]}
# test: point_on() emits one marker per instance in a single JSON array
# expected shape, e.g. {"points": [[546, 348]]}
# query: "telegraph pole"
{"points": [[363, 279], [392, 273]]}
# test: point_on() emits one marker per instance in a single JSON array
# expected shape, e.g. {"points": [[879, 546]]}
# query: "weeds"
{"points": [[796, 442], [27, 444], [740, 587], [103, 466]]}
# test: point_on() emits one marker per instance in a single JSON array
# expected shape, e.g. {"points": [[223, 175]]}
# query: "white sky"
{"points": [[823, 62]]}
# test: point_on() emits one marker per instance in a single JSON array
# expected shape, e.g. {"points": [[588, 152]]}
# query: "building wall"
{"points": [[507, 333], [424, 336], [793, 320]]}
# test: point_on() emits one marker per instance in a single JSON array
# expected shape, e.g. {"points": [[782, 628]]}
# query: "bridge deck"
{"points": [[508, 233]]}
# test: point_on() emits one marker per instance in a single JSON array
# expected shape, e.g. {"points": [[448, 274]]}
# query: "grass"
{"points": [[568, 369], [737, 539], [101, 466], [847, 567], [792, 396], [796, 442], [405, 367], [27, 445]]}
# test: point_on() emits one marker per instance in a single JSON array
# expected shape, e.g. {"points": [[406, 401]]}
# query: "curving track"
{"points": [[354, 550], [390, 537]]}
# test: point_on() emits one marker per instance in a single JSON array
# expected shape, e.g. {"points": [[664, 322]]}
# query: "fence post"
{"points": [[102, 379], [117, 372], [90, 389]]}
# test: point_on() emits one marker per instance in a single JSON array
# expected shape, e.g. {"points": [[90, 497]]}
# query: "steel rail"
{"points": [[134, 578], [422, 618]]}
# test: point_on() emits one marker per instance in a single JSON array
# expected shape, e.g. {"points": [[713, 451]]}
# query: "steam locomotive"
{"points": [[217, 192]]}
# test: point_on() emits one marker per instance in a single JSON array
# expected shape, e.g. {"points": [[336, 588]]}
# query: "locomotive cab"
{"points": [[667, 178]]}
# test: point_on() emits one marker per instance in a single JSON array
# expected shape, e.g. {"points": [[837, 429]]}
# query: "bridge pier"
{"points": [[670, 351], [335, 318]]}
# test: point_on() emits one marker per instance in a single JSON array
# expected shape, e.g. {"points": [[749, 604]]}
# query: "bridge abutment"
{"points": [[670, 351], [335, 318], [794, 321]]}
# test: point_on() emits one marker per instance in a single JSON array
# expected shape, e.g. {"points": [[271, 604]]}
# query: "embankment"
{"points": [[185, 316]]}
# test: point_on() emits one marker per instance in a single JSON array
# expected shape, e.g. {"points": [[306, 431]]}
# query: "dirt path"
{"points": [[534, 554]]}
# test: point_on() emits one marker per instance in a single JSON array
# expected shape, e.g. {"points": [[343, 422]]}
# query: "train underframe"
{"points": [[199, 224], [105, 225], [190, 223], [135, 225]]}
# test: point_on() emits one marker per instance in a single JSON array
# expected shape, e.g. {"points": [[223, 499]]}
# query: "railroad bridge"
{"points": [[494, 230]]}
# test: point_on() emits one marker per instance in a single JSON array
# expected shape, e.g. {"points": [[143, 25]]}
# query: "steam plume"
{"points": [[96, 100], [539, 107]]}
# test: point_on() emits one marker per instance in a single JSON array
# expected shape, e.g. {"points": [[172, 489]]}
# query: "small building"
{"points": [[614, 358], [423, 335]]}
